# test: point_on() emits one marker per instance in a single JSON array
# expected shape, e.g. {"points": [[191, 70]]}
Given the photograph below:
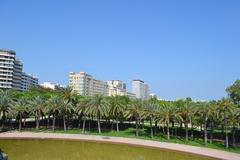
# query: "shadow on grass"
{"points": [[2, 130]]}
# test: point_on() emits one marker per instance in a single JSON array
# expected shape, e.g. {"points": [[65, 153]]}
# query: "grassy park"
{"points": [[213, 124]]}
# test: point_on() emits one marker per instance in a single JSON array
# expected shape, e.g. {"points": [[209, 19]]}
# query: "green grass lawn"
{"points": [[130, 133]]}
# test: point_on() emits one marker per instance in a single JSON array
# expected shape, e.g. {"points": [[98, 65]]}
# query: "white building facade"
{"points": [[53, 86], [7, 59], [116, 87], [84, 84], [10, 70], [140, 89]]}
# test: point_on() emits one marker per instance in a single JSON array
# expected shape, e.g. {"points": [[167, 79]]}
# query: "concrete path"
{"points": [[218, 154]]}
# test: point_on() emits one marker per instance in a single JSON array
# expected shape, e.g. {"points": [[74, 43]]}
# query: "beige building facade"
{"points": [[116, 87], [84, 84]]}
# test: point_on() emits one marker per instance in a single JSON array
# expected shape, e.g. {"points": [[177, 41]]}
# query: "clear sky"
{"points": [[180, 48]]}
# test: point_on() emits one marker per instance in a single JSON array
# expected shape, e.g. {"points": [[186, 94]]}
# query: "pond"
{"points": [[82, 150]]}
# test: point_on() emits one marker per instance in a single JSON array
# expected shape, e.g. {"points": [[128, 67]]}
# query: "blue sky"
{"points": [[180, 48]]}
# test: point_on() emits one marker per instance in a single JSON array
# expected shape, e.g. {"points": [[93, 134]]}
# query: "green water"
{"points": [[78, 150]]}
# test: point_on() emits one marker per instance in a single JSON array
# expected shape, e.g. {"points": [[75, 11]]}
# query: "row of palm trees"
{"points": [[169, 117]]}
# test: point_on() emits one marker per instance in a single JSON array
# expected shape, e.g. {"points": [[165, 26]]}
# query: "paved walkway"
{"points": [[223, 155]]}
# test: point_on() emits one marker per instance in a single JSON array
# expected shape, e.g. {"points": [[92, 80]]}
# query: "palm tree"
{"points": [[97, 107], [68, 94], [37, 108], [186, 111], [204, 111], [116, 108], [21, 107], [135, 111], [234, 120], [149, 112], [53, 108], [175, 116], [212, 117], [164, 118], [225, 107], [66, 108], [5, 105], [193, 118], [81, 110]]}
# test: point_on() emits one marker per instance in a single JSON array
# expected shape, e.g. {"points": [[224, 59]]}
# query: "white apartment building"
{"points": [[11, 75], [10, 70], [28, 81], [140, 89], [53, 86], [116, 87], [84, 84]]}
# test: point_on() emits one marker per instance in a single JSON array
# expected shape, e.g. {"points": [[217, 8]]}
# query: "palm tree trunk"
{"points": [[143, 124], [205, 132], [168, 131], [117, 124], [172, 128], [111, 123], [20, 122], [226, 131], [3, 118], [233, 136], [192, 130], [227, 143], [84, 122], [222, 131], [64, 123], [45, 119], [163, 128], [53, 124], [155, 128], [98, 120], [37, 122], [176, 130], [79, 122], [186, 130], [67, 122], [211, 133], [48, 121], [137, 131], [24, 122], [151, 127], [89, 125]]}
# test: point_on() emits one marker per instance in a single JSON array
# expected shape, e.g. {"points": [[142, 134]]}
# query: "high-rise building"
{"points": [[140, 89], [84, 84], [28, 81], [116, 87], [7, 59], [17, 74], [10, 71]]}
